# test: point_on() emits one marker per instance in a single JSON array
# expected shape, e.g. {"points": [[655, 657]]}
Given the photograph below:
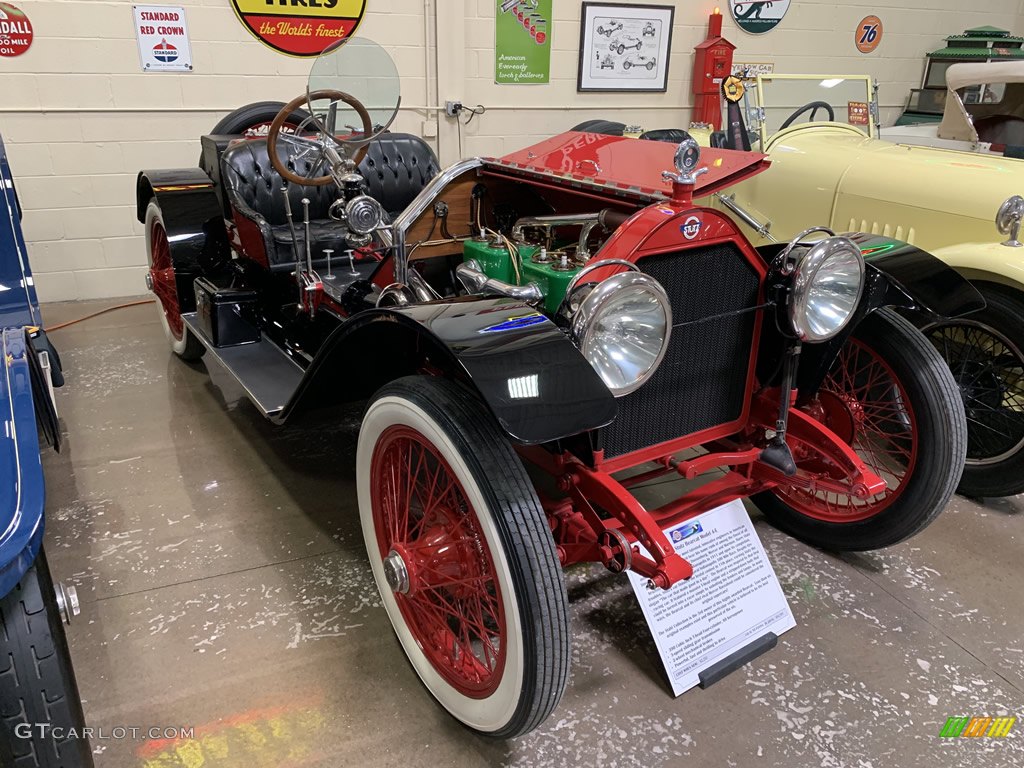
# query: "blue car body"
{"points": [[22, 492]]}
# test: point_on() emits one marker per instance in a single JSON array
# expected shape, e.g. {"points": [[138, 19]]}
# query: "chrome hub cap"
{"points": [[396, 573], [67, 601]]}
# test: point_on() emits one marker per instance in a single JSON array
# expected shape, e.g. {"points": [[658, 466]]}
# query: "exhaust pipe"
{"points": [[473, 278]]}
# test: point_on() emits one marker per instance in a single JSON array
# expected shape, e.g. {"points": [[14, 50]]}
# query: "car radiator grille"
{"points": [[702, 380]]}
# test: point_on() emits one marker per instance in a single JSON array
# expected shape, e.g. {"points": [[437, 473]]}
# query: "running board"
{"points": [[268, 376]]}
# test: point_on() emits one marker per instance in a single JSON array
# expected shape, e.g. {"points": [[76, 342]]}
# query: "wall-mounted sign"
{"points": [[868, 34], [758, 16], [522, 41], [15, 31], [163, 38], [746, 70], [300, 27]]}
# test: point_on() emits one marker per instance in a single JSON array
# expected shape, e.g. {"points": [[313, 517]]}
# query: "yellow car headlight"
{"points": [[1008, 220]]}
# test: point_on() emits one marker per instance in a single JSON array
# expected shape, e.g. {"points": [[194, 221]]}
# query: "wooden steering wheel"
{"points": [[307, 144]]}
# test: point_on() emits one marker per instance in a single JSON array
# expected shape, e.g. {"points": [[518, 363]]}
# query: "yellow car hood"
{"points": [[931, 197]]}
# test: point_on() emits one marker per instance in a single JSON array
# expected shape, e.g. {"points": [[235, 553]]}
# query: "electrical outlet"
{"points": [[452, 108]]}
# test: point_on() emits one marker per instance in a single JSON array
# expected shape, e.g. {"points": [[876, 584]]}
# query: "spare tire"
{"points": [[255, 119]]}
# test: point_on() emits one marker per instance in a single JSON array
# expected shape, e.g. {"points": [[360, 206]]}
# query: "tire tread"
{"points": [[37, 683]]}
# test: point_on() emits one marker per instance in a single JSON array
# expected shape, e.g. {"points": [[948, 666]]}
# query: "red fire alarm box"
{"points": [[713, 63]]}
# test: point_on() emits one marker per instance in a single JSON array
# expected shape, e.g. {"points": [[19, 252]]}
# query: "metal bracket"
{"points": [[873, 106], [637, 524], [687, 179]]}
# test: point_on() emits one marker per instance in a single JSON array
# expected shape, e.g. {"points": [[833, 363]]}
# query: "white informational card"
{"points": [[733, 598]]}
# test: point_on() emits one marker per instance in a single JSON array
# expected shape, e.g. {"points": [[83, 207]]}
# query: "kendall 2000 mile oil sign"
{"points": [[15, 31], [300, 27]]}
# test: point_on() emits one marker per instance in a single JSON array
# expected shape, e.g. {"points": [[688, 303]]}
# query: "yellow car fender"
{"points": [[986, 262]]}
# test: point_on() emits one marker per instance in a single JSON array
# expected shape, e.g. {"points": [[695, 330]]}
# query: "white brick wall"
{"points": [[80, 118]]}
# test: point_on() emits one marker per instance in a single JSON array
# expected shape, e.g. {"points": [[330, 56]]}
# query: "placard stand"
{"points": [[734, 661], [731, 611]]}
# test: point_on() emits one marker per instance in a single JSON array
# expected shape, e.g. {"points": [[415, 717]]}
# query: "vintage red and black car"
{"points": [[533, 336]]}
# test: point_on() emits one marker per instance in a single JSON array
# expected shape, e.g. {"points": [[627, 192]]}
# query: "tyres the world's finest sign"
{"points": [[300, 27]]}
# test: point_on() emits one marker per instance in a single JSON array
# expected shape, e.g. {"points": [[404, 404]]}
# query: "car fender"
{"points": [[986, 262], [191, 211], [929, 284], [532, 377], [22, 492]]}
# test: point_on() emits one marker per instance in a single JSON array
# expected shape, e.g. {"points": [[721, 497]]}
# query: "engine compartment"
{"points": [[514, 233]]}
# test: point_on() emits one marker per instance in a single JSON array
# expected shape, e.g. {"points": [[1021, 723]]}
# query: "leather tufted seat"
{"points": [[396, 167]]}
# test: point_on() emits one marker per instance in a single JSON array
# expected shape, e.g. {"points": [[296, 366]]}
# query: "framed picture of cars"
{"points": [[624, 47]]}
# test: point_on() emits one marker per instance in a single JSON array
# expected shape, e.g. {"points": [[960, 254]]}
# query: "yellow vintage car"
{"points": [[832, 164]]}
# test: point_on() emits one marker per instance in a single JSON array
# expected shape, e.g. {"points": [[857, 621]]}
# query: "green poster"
{"points": [[522, 41]]}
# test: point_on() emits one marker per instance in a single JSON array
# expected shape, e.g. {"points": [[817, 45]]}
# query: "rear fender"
{"points": [[531, 376], [192, 217], [22, 494]]}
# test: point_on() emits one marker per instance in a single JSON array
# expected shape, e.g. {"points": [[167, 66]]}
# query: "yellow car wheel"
{"points": [[985, 352]]}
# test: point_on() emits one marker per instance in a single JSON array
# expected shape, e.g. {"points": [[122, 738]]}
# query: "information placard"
{"points": [[163, 38], [733, 599]]}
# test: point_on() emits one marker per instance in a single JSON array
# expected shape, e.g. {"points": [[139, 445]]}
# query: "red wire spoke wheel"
{"points": [[462, 555], [863, 401], [437, 561], [891, 396], [161, 273], [162, 281]]}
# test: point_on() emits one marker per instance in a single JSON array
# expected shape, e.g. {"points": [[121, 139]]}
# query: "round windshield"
{"points": [[363, 70]]}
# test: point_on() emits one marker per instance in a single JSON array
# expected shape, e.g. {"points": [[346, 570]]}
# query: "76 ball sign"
{"points": [[868, 34]]}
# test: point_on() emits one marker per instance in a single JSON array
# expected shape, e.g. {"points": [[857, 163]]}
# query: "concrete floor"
{"points": [[224, 587]]}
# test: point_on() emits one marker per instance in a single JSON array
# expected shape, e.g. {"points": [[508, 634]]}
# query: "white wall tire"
{"points": [[161, 278], [529, 613]]}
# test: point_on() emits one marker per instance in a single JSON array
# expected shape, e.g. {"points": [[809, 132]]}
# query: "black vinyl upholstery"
{"points": [[396, 167]]}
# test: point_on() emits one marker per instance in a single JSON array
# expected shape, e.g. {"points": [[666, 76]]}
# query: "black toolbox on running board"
{"points": [[227, 316]]}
